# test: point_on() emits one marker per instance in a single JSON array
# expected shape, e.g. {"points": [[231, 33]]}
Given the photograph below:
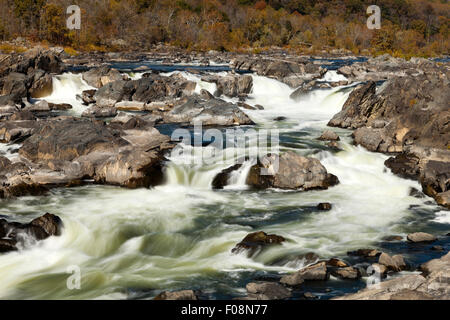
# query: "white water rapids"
{"points": [[179, 235]]}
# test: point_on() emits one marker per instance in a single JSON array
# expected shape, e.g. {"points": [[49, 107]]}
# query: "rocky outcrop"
{"points": [[406, 115], [290, 171], [147, 89], [14, 235], [66, 151], [292, 72], [28, 74], [433, 284]]}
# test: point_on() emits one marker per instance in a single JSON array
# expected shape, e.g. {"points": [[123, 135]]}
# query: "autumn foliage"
{"points": [[409, 27]]}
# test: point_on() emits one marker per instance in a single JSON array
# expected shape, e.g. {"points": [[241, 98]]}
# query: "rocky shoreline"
{"points": [[397, 107]]}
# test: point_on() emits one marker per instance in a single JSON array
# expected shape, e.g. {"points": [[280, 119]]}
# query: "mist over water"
{"points": [[134, 243]]}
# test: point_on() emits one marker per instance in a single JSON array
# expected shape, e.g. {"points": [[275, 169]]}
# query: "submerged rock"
{"points": [[290, 171], [176, 295]]}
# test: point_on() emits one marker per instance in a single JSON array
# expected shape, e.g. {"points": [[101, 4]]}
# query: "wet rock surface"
{"points": [[409, 116], [254, 242], [66, 151], [433, 284], [14, 235], [290, 171]]}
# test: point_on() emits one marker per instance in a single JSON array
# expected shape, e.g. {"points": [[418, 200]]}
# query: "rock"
{"points": [[411, 287], [221, 179], [206, 95], [233, 85], [66, 151], [393, 238], [325, 206], [109, 94], [267, 291], [12, 233], [329, 135], [87, 96], [443, 199], [15, 86], [421, 237], [380, 269], [256, 241], [334, 262], [42, 85], [130, 106], [293, 172], [99, 112], [437, 248], [435, 265], [14, 130], [208, 112], [309, 295], [394, 263], [176, 295], [367, 253], [314, 272], [279, 119], [349, 273], [292, 73], [333, 145], [98, 77]]}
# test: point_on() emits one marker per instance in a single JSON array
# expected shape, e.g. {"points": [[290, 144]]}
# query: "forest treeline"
{"points": [[408, 27]]}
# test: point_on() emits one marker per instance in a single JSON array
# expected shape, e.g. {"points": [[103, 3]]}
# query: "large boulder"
{"points": [[66, 151], [41, 84], [290, 171], [98, 77]]}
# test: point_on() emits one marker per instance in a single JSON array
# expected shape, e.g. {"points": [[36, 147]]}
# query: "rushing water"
{"points": [[134, 243]]}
